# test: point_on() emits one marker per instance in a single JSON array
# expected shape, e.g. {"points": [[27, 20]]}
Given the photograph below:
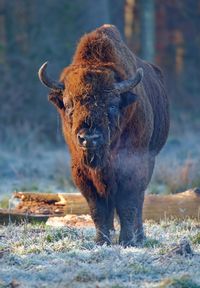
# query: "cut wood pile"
{"points": [[40, 206]]}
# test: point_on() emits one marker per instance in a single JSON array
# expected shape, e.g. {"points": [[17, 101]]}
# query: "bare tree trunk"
{"points": [[147, 16], [12, 49]]}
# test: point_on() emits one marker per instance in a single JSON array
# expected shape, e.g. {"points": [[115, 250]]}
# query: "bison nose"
{"points": [[86, 140]]}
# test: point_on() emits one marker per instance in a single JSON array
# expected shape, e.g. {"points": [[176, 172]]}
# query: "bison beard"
{"points": [[115, 121], [94, 159]]}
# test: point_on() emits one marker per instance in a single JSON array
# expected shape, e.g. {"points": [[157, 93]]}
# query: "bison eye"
{"points": [[69, 108], [113, 110]]}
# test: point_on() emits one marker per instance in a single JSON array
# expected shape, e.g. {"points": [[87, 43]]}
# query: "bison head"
{"points": [[91, 103]]}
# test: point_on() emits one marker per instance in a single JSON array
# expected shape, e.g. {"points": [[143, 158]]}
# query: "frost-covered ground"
{"points": [[39, 169], [43, 256]]}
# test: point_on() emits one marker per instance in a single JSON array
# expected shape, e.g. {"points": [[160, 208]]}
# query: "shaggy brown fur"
{"points": [[116, 174]]}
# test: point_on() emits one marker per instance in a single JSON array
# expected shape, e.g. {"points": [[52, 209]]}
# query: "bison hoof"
{"points": [[102, 239], [133, 241], [101, 242], [130, 243]]}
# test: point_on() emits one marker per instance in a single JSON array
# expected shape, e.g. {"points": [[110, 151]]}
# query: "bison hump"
{"points": [[98, 46]]}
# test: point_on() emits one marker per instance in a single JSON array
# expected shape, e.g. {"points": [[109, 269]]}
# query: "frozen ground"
{"points": [[39, 169], [43, 256]]}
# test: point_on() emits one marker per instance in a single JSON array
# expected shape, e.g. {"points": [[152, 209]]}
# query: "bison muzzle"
{"points": [[114, 112]]}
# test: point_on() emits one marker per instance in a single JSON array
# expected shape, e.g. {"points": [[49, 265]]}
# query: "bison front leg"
{"points": [[102, 213], [101, 205], [129, 210]]}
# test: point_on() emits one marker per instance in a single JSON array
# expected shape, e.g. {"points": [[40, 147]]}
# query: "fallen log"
{"points": [[53, 204], [8, 216], [156, 207], [181, 206]]}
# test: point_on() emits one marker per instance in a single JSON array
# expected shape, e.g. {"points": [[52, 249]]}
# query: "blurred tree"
{"points": [[187, 53], [178, 43], [133, 26], [34, 32], [147, 29]]}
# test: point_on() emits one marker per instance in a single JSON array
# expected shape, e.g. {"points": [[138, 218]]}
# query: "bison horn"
{"points": [[129, 84], [47, 81]]}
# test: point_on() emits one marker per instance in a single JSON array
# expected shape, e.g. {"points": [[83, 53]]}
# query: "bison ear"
{"points": [[127, 98], [56, 99]]}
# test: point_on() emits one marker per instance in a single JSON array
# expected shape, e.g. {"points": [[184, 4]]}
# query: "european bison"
{"points": [[115, 121]]}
